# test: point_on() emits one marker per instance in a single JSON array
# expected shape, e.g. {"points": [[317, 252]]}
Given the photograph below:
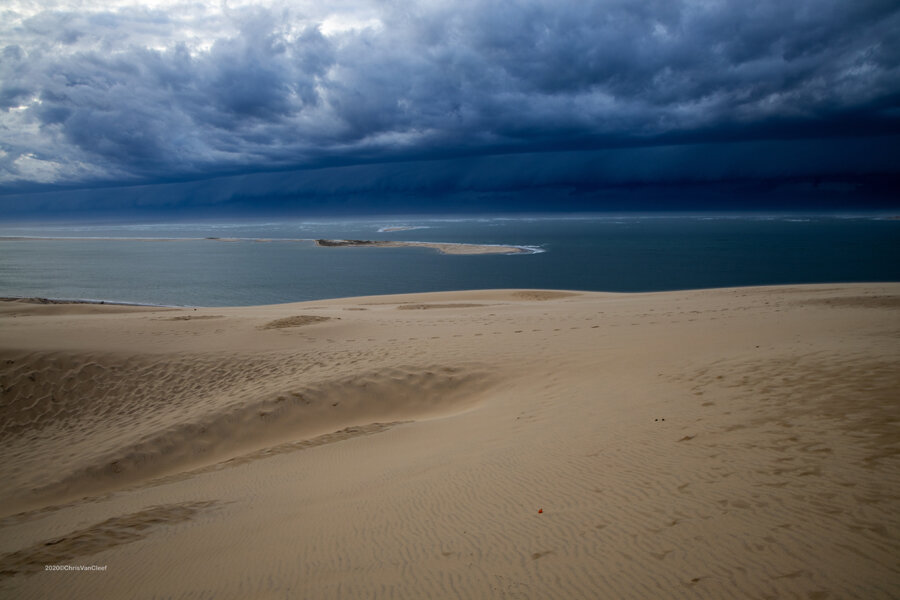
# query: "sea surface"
{"points": [[130, 263]]}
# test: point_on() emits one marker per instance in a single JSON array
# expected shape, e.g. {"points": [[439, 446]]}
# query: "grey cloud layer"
{"points": [[141, 95]]}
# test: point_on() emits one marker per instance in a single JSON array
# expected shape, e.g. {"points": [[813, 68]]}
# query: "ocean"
{"points": [[130, 263]]}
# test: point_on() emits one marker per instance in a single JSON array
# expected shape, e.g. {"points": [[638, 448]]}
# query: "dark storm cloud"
{"points": [[657, 177], [142, 95]]}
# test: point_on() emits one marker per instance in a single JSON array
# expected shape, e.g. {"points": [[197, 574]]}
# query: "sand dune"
{"points": [[499, 443]]}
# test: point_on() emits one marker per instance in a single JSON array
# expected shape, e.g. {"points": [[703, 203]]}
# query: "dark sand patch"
{"points": [[880, 301], [542, 295], [430, 306], [296, 321], [195, 317]]}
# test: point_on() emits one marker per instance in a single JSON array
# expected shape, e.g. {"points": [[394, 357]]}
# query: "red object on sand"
{"points": [[540, 510]]}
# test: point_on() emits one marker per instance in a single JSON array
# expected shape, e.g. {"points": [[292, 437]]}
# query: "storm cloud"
{"points": [[482, 94]]}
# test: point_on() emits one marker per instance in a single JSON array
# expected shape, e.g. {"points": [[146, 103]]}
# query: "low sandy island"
{"points": [[443, 248], [728, 443]]}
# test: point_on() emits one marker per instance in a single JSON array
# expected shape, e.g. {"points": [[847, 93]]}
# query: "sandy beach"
{"points": [[723, 443]]}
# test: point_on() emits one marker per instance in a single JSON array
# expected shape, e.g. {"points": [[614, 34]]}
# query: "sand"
{"points": [[729, 443], [442, 247]]}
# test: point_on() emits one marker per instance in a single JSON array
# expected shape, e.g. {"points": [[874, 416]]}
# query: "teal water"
{"points": [[621, 254]]}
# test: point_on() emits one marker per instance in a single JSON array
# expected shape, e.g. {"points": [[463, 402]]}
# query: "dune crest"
{"points": [[183, 415]]}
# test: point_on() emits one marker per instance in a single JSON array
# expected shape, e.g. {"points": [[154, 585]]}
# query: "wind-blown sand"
{"points": [[699, 444]]}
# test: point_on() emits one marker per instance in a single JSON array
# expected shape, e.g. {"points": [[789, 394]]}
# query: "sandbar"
{"points": [[442, 247]]}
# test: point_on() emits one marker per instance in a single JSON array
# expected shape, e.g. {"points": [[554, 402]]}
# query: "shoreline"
{"points": [[91, 301]]}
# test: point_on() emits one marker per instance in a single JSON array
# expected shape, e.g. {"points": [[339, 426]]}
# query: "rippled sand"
{"points": [[504, 444]]}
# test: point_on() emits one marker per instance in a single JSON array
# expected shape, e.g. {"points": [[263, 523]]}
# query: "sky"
{"points": [[220, 108]]}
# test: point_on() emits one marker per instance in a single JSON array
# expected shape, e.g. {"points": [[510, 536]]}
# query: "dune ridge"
{"points": [[106, 423], [737, 442]]}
